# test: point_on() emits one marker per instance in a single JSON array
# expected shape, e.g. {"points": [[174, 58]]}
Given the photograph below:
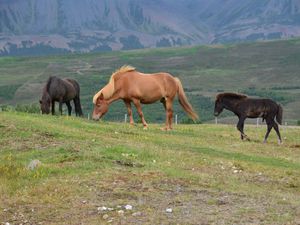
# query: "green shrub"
{"points": [[298, 122], [188, 120], [29, 108], [6, 108]]}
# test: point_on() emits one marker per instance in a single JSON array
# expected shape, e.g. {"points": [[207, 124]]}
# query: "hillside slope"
{"points": [[32, 27], [267, 69], [204, 173]]}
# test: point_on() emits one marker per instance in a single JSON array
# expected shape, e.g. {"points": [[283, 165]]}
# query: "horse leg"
{"points": [[69, 108], [138, 106], [53, 107], [240, 127], [277, 132], [60, 106], [242, 136], [163, 101], [129, 110], [270, 125], [169, 114], [76, 107]]}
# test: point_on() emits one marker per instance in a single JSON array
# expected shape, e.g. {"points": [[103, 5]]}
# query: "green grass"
{"points": [[203, 172], [264, 69]]}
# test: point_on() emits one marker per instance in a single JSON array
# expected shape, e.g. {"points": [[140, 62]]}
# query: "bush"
{"points": [[298, 122], [190, 121], [30, 108], [6, 108]]}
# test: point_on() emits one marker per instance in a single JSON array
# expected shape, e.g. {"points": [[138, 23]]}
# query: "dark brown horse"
{"points": [[245, 107], [62, 91], [132, 86]]}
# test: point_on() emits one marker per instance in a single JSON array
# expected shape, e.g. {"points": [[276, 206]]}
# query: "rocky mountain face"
{"points": [[29, 27]]}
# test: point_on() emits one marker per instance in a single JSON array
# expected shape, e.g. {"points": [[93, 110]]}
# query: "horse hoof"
{"points": [[145, 128]]}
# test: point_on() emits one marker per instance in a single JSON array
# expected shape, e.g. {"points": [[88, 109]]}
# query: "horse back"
{"points": [[147, 87], [74, 83], [65, 89], [256, 107]]}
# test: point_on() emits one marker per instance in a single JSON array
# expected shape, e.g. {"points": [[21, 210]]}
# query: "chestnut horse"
{"points": [[245, 107], [132, 86]]}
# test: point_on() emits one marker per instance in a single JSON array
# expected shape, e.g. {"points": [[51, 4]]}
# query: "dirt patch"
{"points": [[295, 146], [129, 163]]}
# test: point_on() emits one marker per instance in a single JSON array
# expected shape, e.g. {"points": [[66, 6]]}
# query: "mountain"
{"points": [[58, 26]]}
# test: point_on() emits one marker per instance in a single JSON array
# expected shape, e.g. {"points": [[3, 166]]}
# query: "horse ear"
{"points": [[101, 97], [40, 101]]}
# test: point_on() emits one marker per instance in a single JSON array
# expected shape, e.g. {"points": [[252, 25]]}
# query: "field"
{"points": [[266, 69], [203, 173]]}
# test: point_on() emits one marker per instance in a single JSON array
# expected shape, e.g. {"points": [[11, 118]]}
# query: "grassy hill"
{"points": [[204, 173], [266, 69]]}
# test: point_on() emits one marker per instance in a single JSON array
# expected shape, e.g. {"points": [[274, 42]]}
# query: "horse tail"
{"points": [[184, 101], [279, 114], [78, 108]]}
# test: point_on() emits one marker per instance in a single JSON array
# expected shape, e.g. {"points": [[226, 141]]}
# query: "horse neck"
{"points": [[113, 98], [230, 104], [46, 94]]}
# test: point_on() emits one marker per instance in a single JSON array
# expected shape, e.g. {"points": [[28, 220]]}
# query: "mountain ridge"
{"points": [[59, 26]]}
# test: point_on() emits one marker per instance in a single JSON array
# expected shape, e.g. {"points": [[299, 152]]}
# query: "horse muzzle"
{"points": [[96, 117]]}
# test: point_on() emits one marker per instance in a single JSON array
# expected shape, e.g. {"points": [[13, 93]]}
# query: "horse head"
{"points": [[100, 107], [219, 106], [45, 104]]}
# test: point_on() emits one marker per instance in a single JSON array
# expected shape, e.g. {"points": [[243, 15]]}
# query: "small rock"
{"points": [[110, 209], [169, 210], [102, 208], [121, 212], [128, 207], [221, 202], [235, 171], [137, 214], [7, 223], [84, 201], [5, 210], [105, 216], [34, 164]]}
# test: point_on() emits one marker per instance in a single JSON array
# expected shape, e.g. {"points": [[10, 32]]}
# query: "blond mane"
{"points": [[108, 90]]}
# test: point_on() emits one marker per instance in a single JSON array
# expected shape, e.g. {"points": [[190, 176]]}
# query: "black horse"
{"points": [[62, 91], [245, 107]]}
